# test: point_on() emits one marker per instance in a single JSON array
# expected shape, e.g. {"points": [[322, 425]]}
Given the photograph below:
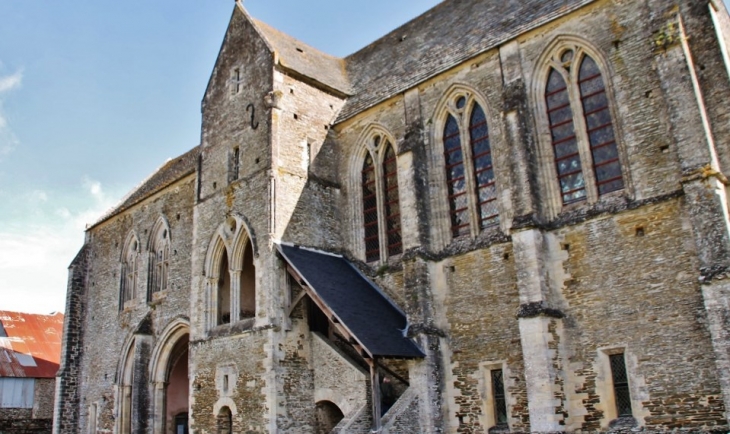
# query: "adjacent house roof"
{"points": [[30, 344], [377, 323]]}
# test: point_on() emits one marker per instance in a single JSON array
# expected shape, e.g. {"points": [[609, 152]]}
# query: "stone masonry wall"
{"points": [[243, 356], [69, 379], [296, 382], [614, 274], [479, 303], [100, 372], [644, 285]]}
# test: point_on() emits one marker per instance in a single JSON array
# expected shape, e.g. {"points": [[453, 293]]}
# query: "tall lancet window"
{"points": [[159, 258], [370, 210], [130, 270], [470, 180], [481, 152], [582, 134], [381, 221], [391, 200]]}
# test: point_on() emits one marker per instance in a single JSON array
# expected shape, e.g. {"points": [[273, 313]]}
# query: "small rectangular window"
{"points": [[16, 392], [236, 164], [499, 397], [235, 81], [620, 385]]}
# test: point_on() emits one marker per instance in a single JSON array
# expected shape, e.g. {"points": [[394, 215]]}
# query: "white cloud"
{"points": [[8, 140], [38, 196], [34, 256], [11, 82]]}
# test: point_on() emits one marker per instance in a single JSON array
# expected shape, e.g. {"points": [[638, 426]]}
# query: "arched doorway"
{"points": [[224, 420], [328, 416], [176, 396], [126, 385], [170, 376]]}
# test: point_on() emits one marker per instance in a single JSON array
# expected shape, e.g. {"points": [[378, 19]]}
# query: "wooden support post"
{"points": [[375, 384]]}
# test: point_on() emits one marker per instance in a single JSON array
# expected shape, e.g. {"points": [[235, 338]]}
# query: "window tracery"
{"points": [[381, 222], [470, 180], [130, 270], [231, 274], [584, 147], [159, 264]]}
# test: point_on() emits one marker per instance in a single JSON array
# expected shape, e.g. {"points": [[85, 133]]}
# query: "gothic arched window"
{"points": [[130, 270], [381, 217], [159, 258], [247, 284], [370, 210], [470, 184], [392, 203], [584, 147]]}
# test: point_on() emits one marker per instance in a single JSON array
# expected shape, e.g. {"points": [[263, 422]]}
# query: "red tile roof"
{"points": [[30, 344]]}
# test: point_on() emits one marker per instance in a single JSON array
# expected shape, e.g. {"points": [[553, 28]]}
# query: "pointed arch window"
{"points": [[584, 147], [392, 204], [247, 284], [159, 264], [230, 267], [130, 270], [470, 181], [380, 201], [224, 291], [370, 209]]}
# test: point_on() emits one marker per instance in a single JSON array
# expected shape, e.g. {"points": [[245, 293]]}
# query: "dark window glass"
{"points": [[370, 210], [392, 206], [181, 423], [455, 178], [236, 163], [224, 291], [483, 170], [500, 401], [604, 150], [565, 145], [620, 385]]}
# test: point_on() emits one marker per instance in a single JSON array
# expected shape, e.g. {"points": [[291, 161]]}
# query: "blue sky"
{"points": [[95, 95]]}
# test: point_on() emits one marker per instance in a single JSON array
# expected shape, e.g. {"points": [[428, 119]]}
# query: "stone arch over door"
{"points": [[225, 411], [169, 375], [328, 416], [125, 388]]}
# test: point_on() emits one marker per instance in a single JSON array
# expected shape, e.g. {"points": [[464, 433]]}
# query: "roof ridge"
{"points": [[258, 23], [129, 200]]}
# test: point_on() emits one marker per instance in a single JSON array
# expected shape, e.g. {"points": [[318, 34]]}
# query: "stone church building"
{"points": [[503, 216]]}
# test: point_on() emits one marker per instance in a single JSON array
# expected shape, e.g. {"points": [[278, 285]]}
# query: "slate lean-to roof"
{"points": [[360, 305], [30, 344]]}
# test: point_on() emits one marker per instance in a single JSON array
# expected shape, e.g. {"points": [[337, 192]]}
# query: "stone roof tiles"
{"points": [[170, 172], [297, 56], [439, 39]]}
